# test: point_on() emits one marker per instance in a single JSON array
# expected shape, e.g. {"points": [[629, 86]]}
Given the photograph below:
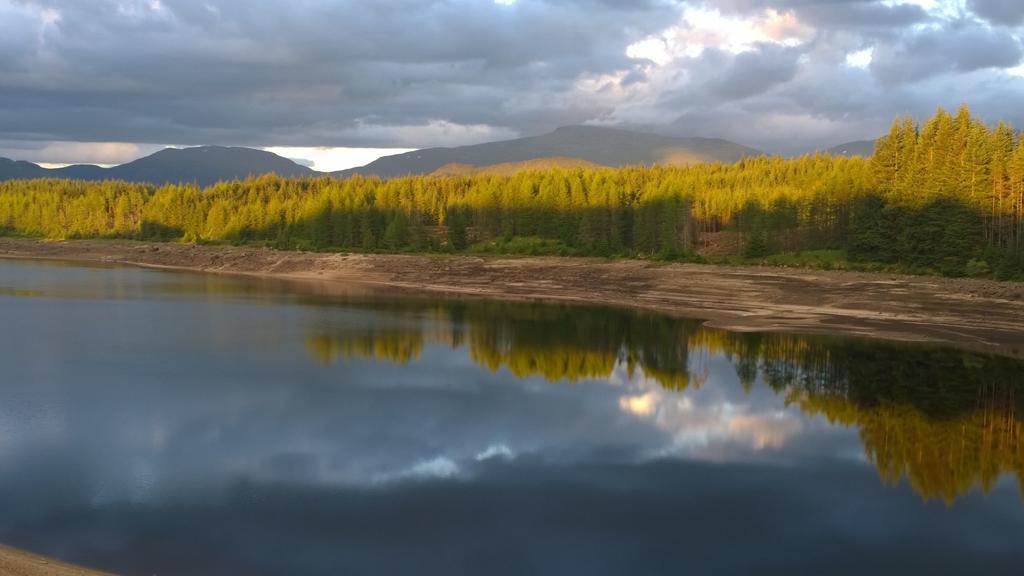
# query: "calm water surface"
{"points": [[165, 423]]}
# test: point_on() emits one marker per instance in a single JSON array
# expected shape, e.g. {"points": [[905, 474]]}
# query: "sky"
{"points": [[337, 83]]}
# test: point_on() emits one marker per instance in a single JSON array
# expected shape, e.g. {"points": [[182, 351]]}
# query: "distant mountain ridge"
{"points": [[203, 165], [610, 147], [17, 169], [571, 146]]}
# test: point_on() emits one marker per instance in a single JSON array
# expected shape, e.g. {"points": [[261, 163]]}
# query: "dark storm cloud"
{"points": [[962, 47], [416, 73], [751, 5], [841, 13], [1008, 12], [181, 71], [728, 79], [862, 15], [755, 72]]}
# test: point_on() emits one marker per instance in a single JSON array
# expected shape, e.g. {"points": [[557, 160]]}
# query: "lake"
{"points": [[170, 423]]}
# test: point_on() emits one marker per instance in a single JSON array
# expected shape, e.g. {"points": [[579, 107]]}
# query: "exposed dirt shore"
{"points": [[17, 563], [973, 314]]}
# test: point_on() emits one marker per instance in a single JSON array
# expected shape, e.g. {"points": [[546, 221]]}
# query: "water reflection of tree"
{"points": [[400, 347], [553, 342], [947, 421]]}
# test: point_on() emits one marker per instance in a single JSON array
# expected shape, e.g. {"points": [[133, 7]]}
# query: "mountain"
{"points": [[17, 169], [596, 145], [83, 172], [863, 148], [203, 165], [207, 165], [571, 146]]}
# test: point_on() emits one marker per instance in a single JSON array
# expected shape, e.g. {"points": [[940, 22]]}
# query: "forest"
{"points": [[942, 197]]}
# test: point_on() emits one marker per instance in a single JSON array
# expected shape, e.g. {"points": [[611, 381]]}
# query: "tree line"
{"points": [[946, 196]]}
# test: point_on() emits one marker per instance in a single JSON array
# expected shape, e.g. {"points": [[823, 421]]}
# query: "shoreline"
{"points": [[14, 562], [979, 315]]}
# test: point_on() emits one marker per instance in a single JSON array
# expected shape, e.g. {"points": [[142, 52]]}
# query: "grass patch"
{"points": [[821, 259], [523, 246]]}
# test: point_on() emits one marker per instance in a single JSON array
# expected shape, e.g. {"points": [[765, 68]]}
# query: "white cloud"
{"points": [[945, 8], [496, 451], [437, 468], [327, 159], [58, 154], [702, 28], [763, 431], [861, 58], [673, 60], [64, 153], [49, 16], [642, 406], [434, 132], [698, 429], [656, 49], [784, 28]]}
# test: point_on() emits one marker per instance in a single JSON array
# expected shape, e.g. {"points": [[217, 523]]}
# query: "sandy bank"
{"points": [[17, 563], [973, 314]]}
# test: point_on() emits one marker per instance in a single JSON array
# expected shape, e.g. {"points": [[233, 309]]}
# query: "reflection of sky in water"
{"points": [[133, 397], [173, 390]]}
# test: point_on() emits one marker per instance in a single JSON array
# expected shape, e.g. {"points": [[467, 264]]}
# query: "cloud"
{"points": [[106, 153], [327, 159], [495, 451], [331, 74], [1006, 12], [755, 72], [835, 14], [863, 64], [871, 18], [700, 429], [960, 47], [418, 73], [440, 468], [436, 132]]}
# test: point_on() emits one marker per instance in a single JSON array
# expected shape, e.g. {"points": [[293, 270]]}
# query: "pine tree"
{"points": [[396, 235]]}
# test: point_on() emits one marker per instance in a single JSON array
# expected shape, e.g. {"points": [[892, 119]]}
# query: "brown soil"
{"points": [[973, 314], [17, 563]]}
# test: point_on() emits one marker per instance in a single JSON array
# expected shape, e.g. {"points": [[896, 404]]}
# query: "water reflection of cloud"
{"points": [[765, 431], [113, 444], [641, 406], [439, 468], [495, 451], [399, 391], [698, 428]]}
